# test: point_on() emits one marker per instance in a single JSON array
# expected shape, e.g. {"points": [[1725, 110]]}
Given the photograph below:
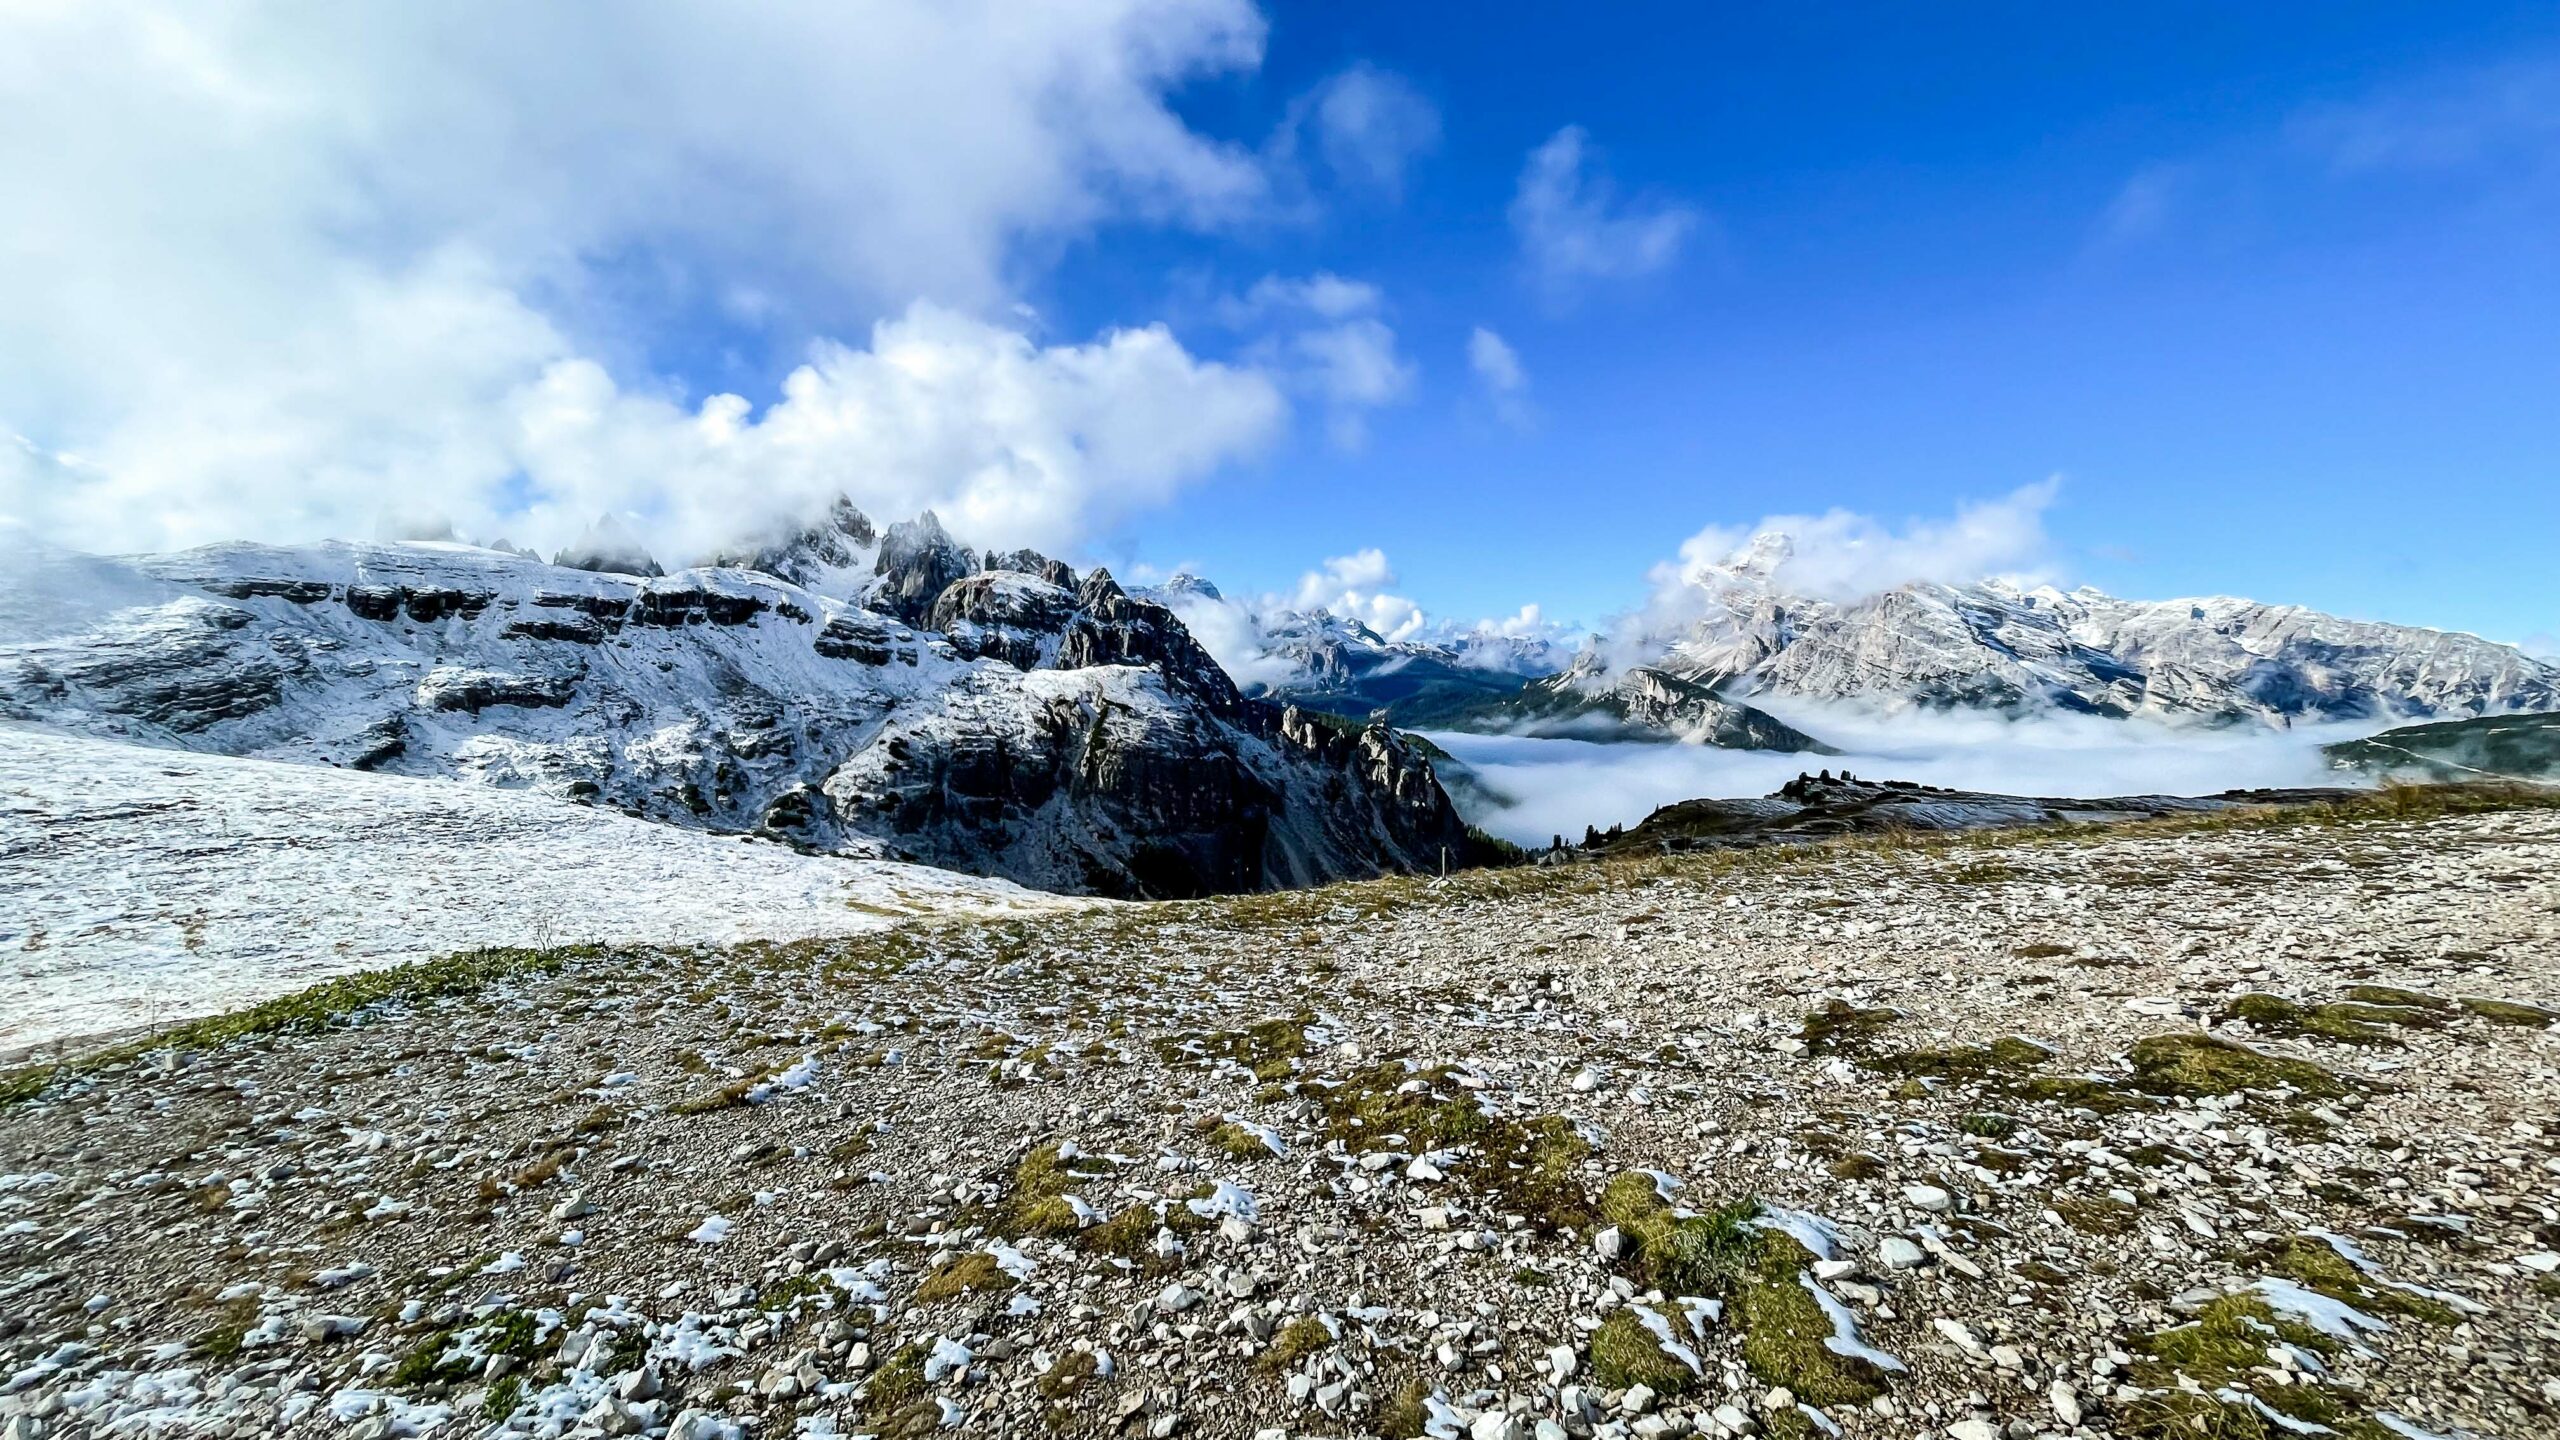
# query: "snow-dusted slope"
{"points": [[903, 696], [2007, 647], [144, 885]]}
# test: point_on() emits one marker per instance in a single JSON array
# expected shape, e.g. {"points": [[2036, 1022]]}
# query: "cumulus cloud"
{"points": [[1366, 124], [287, 257], [1573, 226], [1842, 555], [1353, 586], [1838, 555]]}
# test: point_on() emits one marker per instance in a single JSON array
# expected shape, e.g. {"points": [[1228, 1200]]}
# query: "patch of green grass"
{"points": [[1296, 1341], [2222, 1351], [2096, 1214], [971, 1274], [1534, 1166], [2398, 999], [2192, 1063], [1041, 1183], [324, 1006], [1785, 1334], [1068, 1374], [1988, 1125], [441, 1358], [1406, 1413], [2314, 1264], [898, 1379], [1269, 1048], [1625, 1352], [1237, 1143], [1677, 1254], [502, 1399]]}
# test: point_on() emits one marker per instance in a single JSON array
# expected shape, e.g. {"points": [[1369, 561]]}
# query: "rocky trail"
{"points": [[2232, 1127]]}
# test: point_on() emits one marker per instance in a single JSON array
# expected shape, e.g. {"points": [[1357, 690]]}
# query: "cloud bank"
{"points": [[290, 261], [1549, 787]]}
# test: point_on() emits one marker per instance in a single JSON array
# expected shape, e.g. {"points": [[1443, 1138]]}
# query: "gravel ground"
{"points": [[2215, 1130]]}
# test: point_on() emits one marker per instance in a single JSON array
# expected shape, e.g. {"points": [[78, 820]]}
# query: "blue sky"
{"points": [[1915, 282], [2274, 289]]}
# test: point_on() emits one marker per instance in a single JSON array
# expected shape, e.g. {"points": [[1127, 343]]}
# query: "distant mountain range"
{"points": [[852, 690], [2495, 747], [1735, 637]]}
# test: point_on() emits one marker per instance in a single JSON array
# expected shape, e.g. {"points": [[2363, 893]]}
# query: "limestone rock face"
{"points": [[918, 561]]}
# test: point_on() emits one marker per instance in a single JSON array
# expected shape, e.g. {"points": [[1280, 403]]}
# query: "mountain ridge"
{"points": [[938, 707]]}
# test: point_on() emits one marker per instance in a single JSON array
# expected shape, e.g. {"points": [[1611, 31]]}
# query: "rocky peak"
{"points": [[836, 541], [1100, 592], [918, 561], [608, 548]]}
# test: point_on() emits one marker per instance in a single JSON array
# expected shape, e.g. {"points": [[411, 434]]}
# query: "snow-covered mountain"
{"points": [[1324, 661], [855, 691], [2002, 646]]}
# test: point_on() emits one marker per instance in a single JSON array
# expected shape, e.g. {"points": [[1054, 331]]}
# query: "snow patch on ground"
{"points": [[142, 886]]}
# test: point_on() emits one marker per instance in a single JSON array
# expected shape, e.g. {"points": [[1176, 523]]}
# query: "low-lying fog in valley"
{"points": [[1529, 789]]}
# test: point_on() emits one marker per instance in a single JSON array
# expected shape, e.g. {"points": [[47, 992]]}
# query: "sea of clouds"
{"points": [[1530, 789]]}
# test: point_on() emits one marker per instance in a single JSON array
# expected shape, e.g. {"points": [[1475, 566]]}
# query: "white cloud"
{"points": [[1353, 586], [1239, 629], [1843, 555], [1573, 227], [1548, 787], [287, 258], [1323, 337], [1839, 555], [1368, 125], [1499, 371]]}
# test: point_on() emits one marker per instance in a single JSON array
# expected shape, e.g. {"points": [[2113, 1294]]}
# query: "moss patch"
{"points": [[2509, 1012], [1406, 1413], [1068, 1374], [2314, 1264], [1533, 1165], [2399, 999], [970, 1274], [2096, 1214], [2222, 1350], [1625, 1352], [1296, 1341], [2348, 1023], [1038, 1204], [1759, 1273], [1786, 1336], [1677, 1254], [2191, 1064], [900, 1378]]}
